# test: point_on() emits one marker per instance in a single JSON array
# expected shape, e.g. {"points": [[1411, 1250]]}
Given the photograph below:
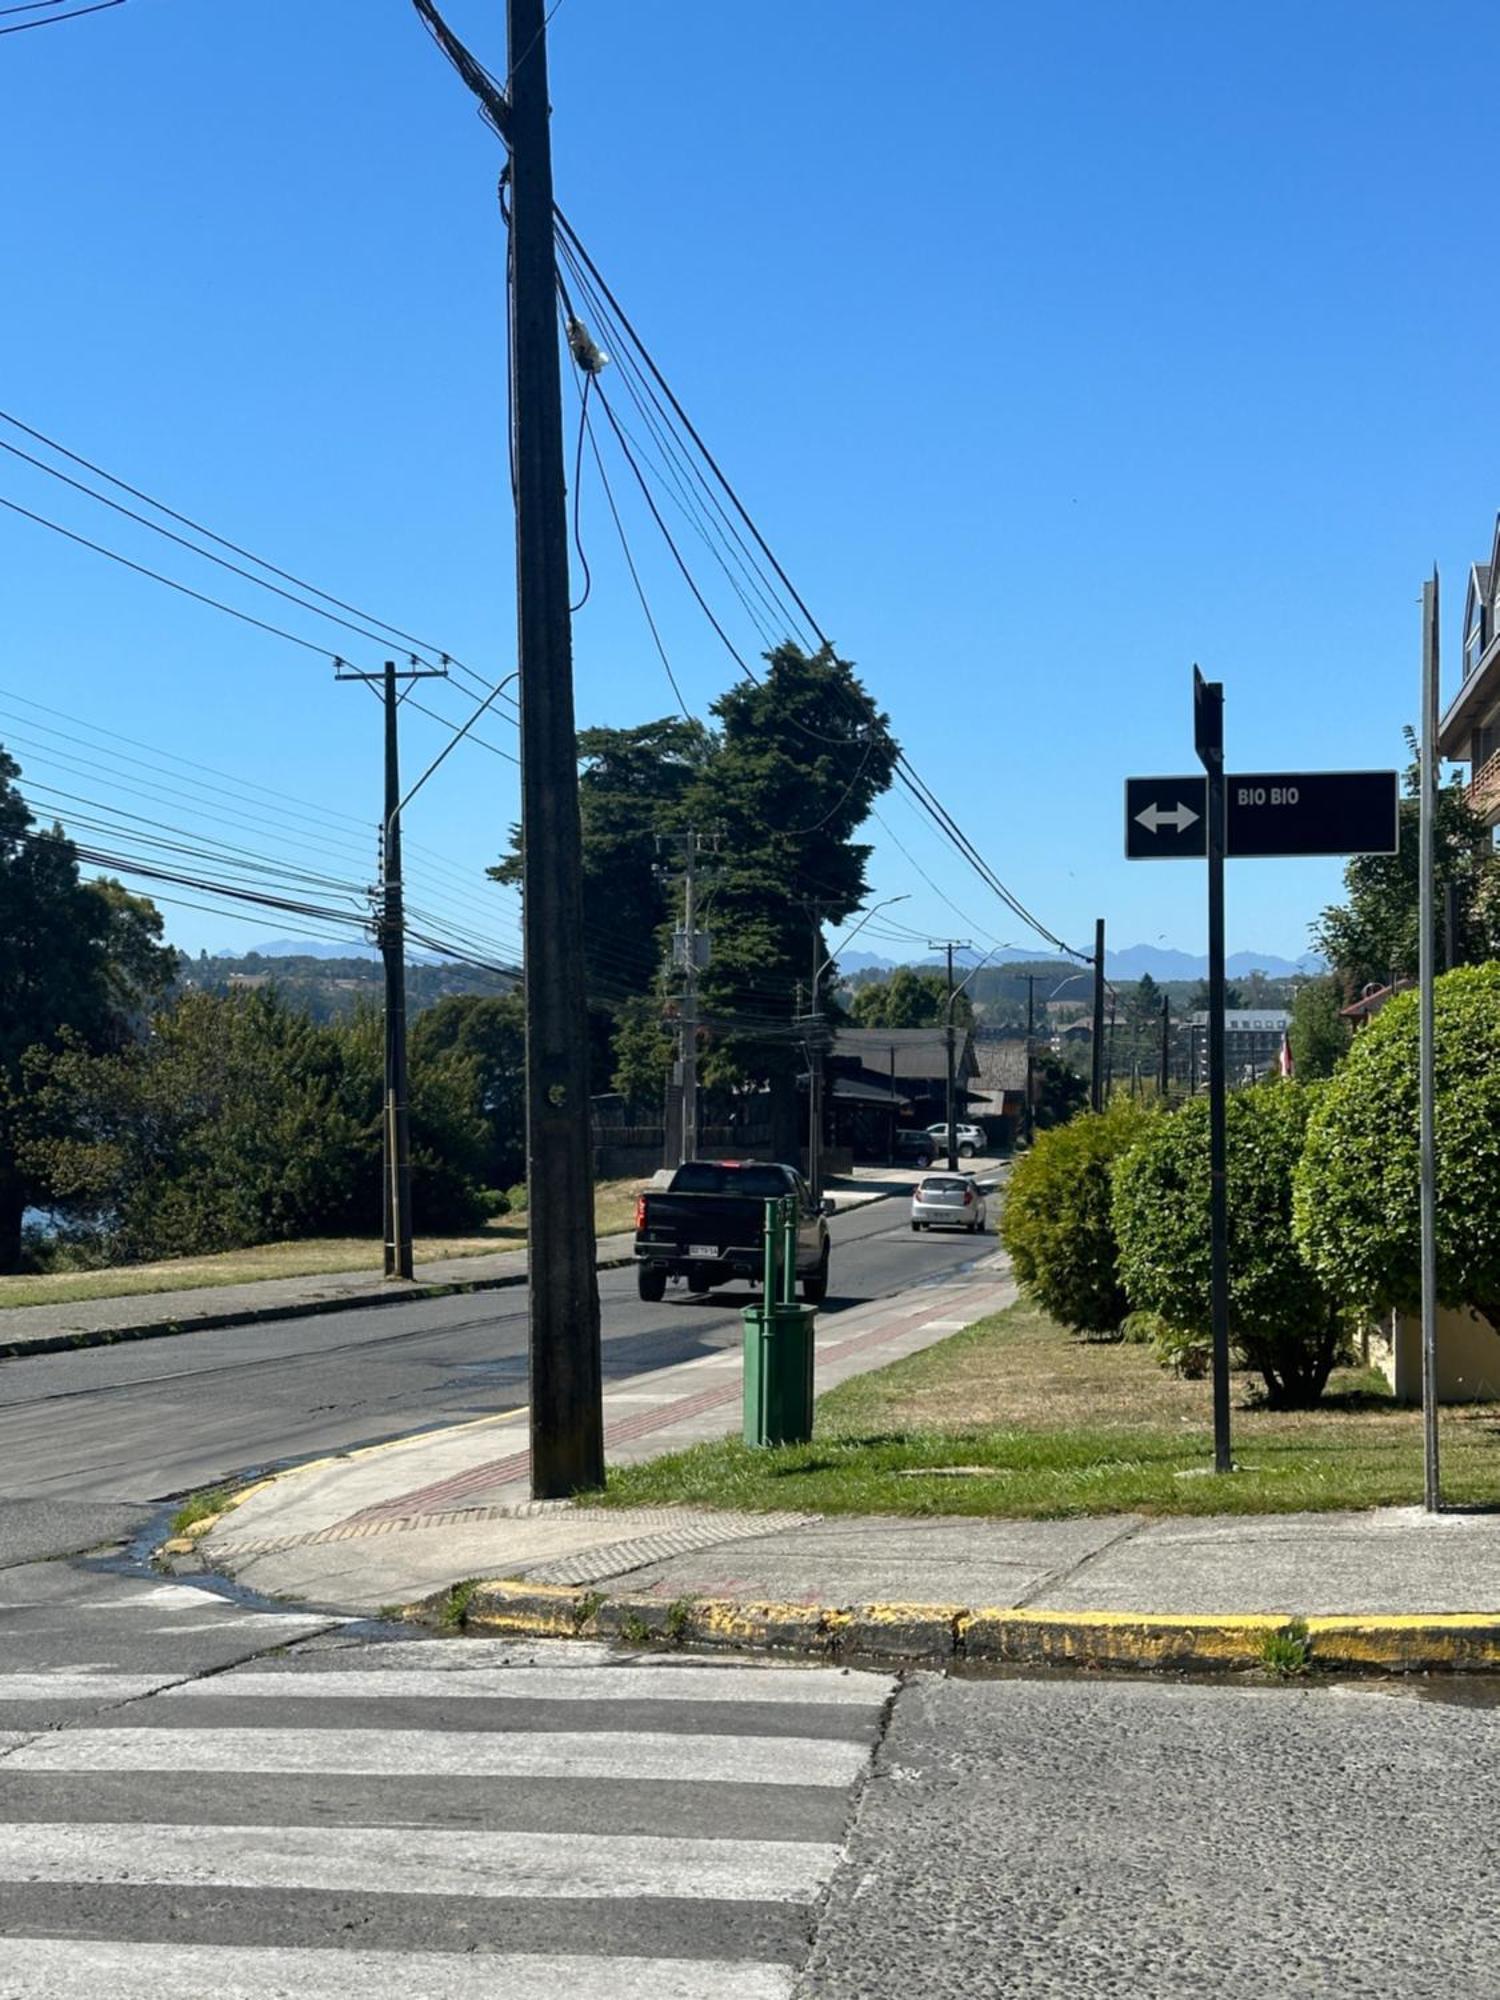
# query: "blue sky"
{"points": [[1053, 347]]}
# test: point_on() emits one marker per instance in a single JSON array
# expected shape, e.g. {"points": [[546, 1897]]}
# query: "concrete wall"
{"points": [[1468, 1357]]}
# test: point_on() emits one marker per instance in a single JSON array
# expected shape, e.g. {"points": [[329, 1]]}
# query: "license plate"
{"points": [[702, 1250]]}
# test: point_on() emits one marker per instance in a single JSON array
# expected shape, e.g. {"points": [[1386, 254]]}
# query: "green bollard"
{"points": [[779, 1341]]}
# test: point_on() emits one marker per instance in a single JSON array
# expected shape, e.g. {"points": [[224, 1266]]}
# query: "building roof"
{"points": [[1373, 999], [1481, 689], [854, 1090], [904, 1052], [1001, 1065]]}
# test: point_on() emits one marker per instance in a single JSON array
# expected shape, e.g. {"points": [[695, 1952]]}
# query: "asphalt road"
{"points": [[1107, 1837], [150, 1419]]}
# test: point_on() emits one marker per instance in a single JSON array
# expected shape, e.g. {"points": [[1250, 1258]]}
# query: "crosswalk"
{"points": [[424, 1818]]}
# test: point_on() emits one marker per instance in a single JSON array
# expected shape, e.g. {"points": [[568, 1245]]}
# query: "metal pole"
{"points": [[1030, 1109], [1431, 1486], [398, 1248], [1096, 1093], [1209, 733], [567, 1424]]}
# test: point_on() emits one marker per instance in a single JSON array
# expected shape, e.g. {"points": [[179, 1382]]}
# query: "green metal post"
{"points": [[788, 1249], [768, 1281]]}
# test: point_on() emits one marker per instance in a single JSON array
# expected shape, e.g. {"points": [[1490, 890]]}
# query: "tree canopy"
{"points": [[908, 999], [80, 962], [1373, 933]]}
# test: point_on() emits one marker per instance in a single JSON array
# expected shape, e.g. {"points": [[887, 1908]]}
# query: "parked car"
{"points": [[949, 1201], [709, 1224], [915, 1149], [971, 1139]]}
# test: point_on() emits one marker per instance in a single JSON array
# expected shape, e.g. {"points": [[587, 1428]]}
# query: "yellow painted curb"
{"points": [[950, 1635], [1455, 1641]]}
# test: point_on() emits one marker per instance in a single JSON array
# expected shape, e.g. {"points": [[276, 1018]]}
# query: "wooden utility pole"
{"points": [[390, 933], [1030, 1106], [948, 946], [567, 1423]]}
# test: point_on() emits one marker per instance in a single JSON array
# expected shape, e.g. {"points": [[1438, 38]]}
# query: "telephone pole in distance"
{"points": [[390, 932]]}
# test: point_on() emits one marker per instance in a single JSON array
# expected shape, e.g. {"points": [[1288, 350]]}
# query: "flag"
{"points": [[1284, 1060]]}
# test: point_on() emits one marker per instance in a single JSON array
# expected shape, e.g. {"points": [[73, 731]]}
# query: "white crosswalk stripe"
{"points": [[424, 1818], [46, 1968]]}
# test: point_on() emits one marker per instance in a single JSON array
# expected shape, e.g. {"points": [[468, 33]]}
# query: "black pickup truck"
{"points": [[709, 1224]]}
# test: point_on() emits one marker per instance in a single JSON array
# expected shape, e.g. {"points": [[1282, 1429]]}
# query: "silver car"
{"points": [[949, 1201], [969, 1139]]}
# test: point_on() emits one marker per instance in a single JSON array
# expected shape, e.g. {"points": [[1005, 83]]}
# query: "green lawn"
{"points": [[1015, 1416], [317, 1257]]}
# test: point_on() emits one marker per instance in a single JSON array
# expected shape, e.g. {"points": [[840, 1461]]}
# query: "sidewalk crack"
{"points": [[1068, 1572]]}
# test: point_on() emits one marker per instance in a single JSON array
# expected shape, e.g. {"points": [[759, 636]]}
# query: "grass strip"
{"points": [[1016, 1417]]}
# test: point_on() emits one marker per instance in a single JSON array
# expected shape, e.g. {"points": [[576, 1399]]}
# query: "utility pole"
{"points": [[567, 1420], [390, 933], [815, 1066], [690, 955], [1164, 1082], [1096, 1093], [949, 946], [1030, 1108]]}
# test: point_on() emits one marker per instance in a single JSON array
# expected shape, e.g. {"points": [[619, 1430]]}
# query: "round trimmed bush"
{"points": [[1357, 1189], [1056, 1222], [1282, 1320]]}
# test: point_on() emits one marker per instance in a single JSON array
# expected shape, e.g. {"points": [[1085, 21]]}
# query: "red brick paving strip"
{"points": [[447, 1493]]}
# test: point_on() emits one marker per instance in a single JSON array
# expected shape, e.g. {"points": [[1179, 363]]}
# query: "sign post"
{"points": [[1208, 741], [1426, 1080], [1262, 813]]}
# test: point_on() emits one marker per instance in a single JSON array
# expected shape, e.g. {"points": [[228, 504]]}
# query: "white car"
{"points": [[970, 1138], [949, 1201]]}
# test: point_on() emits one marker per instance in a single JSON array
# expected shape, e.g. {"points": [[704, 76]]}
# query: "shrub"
{"points": [[1357, 1188], [1056, 1222], [1283, 1322]]}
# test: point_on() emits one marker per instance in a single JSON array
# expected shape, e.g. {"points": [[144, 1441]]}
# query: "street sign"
{"points": [[1312, 812], [1266, 813], [1166, 819]]}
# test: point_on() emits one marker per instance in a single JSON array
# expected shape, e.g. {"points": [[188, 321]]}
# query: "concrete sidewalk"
{"points": [[50, 1329], [402, 1524]]}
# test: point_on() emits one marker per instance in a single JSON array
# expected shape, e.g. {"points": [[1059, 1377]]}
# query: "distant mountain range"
{"points": [[1161, 961]]}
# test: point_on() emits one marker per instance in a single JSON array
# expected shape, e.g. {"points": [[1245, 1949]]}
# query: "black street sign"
{"points": [[1312, 812], [1166, 819], [1266, 813]]}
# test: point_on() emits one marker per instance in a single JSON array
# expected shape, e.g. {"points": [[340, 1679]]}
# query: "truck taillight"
{"points": [[640, 1211]]}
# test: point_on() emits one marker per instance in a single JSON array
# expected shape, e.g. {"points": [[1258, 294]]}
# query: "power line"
{"points": [[55, 20], [214, 603], [234, 548]]}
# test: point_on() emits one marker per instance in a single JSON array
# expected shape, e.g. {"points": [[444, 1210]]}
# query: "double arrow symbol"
{"points": [[1180, 818]]}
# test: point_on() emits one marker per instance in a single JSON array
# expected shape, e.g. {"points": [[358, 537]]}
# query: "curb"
{"points": [[951, 1635], [413, 1294]]}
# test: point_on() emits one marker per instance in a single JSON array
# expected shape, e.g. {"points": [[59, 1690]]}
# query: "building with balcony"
{"points": [[1469, 732]]}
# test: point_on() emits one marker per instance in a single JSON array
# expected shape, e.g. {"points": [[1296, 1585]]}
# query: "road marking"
{"points": [[417, 1861], [368, 1753], [69, 1685], [42, 1968], [807, 1687]]}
